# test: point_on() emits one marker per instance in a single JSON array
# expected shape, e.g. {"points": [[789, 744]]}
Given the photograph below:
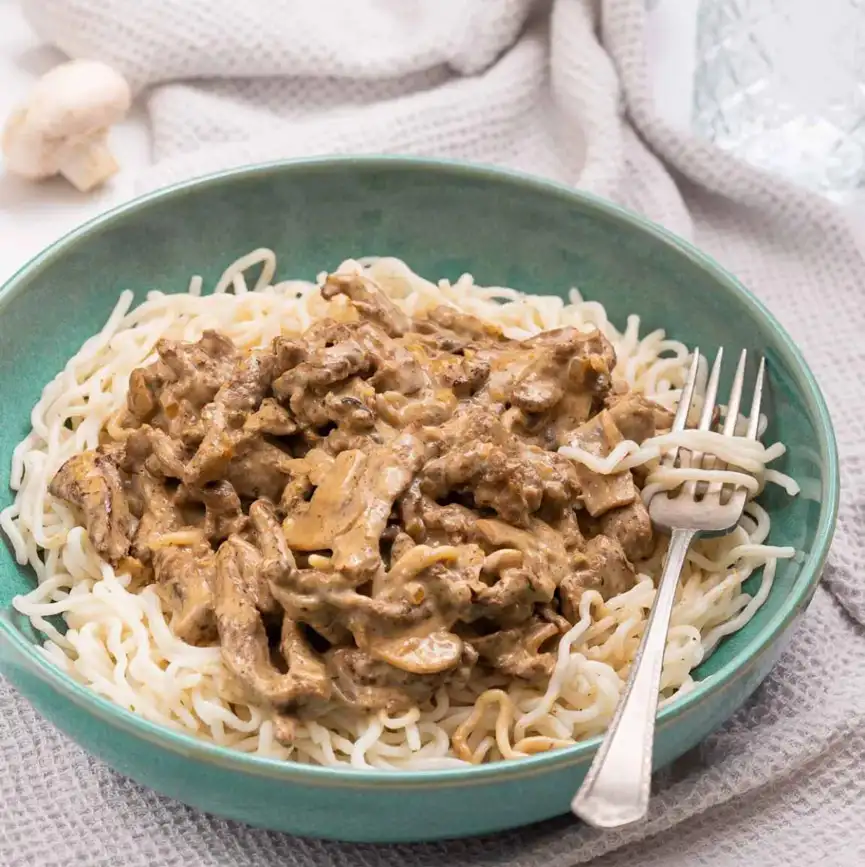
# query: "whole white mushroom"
{"points": [[63, 126]]}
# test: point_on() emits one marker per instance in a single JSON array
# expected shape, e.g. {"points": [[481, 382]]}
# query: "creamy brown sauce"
{"points": [[375, 509]]}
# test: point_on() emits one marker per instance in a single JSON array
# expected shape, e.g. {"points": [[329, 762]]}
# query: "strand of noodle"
{"points": [[211, 711], [408, 718], [441, 705], [436, 764], [607, 683], [439, 737], [183, 714], [364, 742], [789, 484], [266, 258], [642, 594], [412, 738], [712, 638], [502, 725], [407, 722], [382, 764], [572, 719], [597, 629], [176, 675], [265, 738], [49, 630], [614, 645], [768, 552], [744, 453], [16, 474], [340, 743], [482, 749], [323, 739], [668, 478], [320, 751], [706, 600], [10, 528], [762, 523]]}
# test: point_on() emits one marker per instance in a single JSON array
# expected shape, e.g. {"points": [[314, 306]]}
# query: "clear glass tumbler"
{"points": [[782, 84]]}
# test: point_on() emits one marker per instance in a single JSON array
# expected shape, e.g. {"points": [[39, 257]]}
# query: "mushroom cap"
{"points": [[77, 98], [74, 102]]}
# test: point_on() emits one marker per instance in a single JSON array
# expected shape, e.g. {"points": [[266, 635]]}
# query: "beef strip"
{"points": [[601, 492], [637, 417], [92, 482], [432, 406], [449, 319], [536, 559], [537, 373], [271, 418], [427, 521], [605, 569], [225, 435], [325, 367], [569, 376], [305, 665], [277, 559], [338, 383], [369, 301], [155, 451], [260, 470], [631, 527], [224, 515], [402, 544], [370, 684], [395, 367], [629, 417], [160, 514], [502, 473], [181, 559], [440, 578], [516, 651], [171, 392], [509, 591], [405, 615], [184, 572]]}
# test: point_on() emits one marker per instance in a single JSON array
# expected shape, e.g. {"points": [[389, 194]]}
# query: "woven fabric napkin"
{"points": [[559, 89]]}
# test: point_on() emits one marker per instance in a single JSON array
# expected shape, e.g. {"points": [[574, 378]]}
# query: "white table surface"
{"points": [[34, 215]]}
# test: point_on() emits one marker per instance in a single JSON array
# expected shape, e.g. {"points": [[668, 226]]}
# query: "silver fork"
{"points": [[616, 789]]}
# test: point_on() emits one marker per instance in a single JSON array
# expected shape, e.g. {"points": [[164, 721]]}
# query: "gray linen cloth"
{"points": [[559, 89]]}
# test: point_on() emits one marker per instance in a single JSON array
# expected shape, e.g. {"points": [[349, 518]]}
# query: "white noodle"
{"points": [[118, 641]]}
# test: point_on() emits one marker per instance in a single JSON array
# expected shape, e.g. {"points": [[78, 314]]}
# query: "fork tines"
{"points": [[708, 413]]}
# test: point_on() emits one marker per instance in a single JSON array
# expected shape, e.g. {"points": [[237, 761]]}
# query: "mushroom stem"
{"points": [[88, 163]]}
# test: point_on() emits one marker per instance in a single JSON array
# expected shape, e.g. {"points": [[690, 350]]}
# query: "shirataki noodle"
{"points": [[118, 641]]}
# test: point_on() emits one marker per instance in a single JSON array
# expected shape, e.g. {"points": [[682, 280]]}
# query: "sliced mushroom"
{"points": [[419, 651]]}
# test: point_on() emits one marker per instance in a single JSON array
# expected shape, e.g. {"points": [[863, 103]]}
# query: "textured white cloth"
{"points": [[558, 89]]}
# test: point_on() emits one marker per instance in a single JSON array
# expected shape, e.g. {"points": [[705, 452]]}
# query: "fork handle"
{"points": [[616, 789]]}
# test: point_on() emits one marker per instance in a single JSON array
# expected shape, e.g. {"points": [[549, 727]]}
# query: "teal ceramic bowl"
{"points": [[443, 219]]}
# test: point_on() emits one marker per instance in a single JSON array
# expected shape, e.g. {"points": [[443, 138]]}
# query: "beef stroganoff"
{"points": [[373, 520]]}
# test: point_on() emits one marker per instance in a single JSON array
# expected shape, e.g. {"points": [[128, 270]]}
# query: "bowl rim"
{"points": [[189, 746]]}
